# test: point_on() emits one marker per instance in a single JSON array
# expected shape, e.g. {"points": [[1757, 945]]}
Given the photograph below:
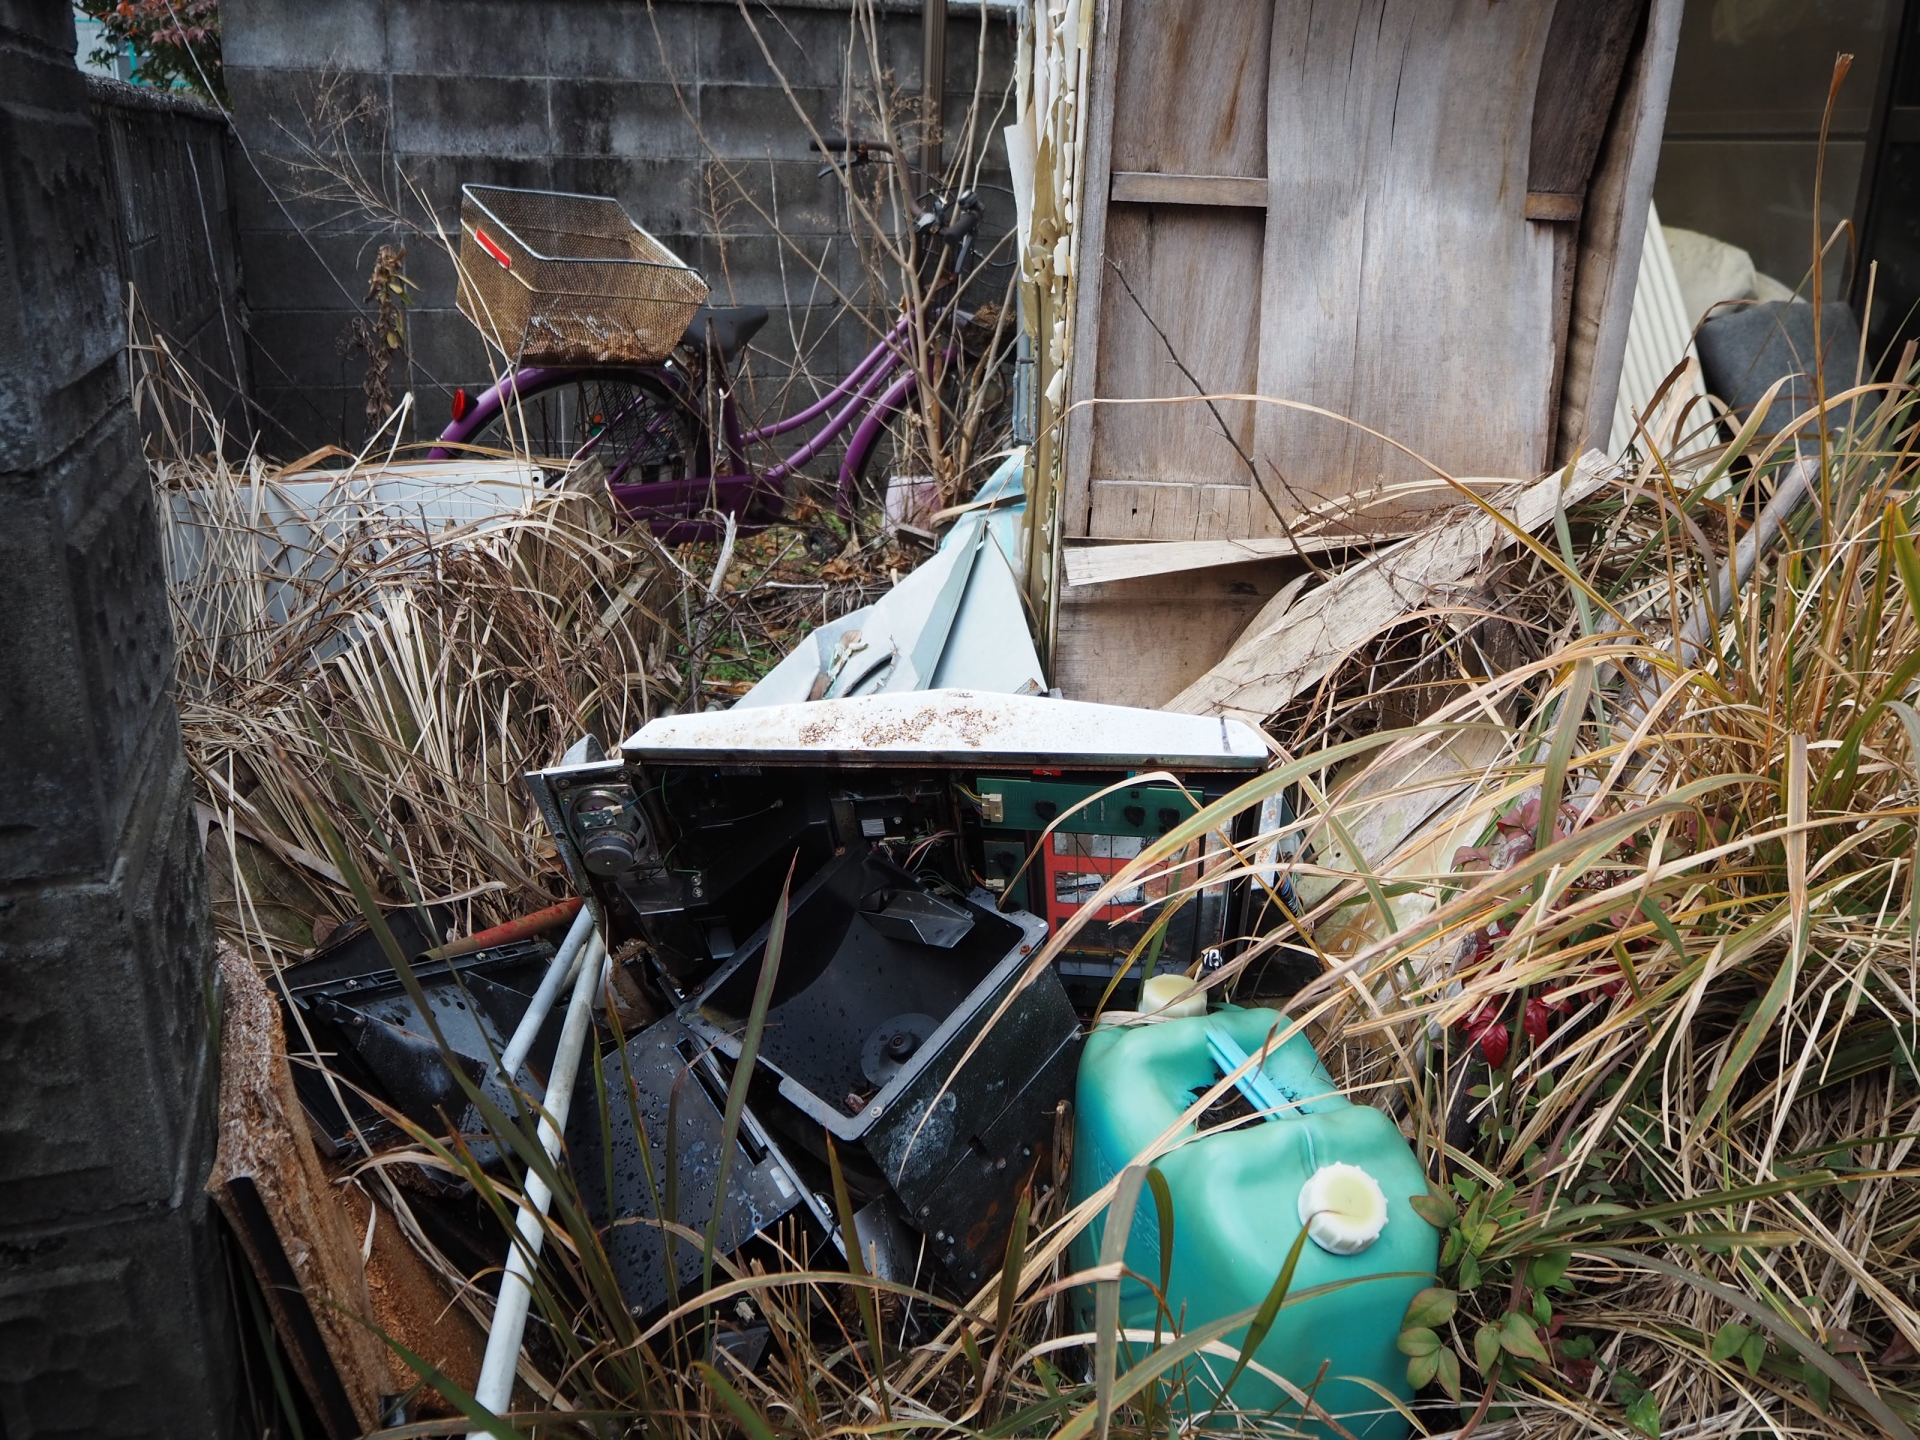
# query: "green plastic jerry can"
{"points": [[1237, 1209]]}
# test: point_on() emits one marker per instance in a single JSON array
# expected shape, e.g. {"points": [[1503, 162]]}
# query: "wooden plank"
{"points": [[1288, 652], [1406, 816], [1101, 564], [1088, 284], [270, 1185], [1614, 225], [1152, 510], [1552, 208], [1586, 54], [1193, 74], [1143, 187], [1151, 513], [1402, 285], [1176, 513], [1141, 641], [1191, 276]]}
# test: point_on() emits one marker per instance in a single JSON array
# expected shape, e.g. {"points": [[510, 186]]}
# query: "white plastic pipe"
{"points": [[559, 972], [495, 1389]]}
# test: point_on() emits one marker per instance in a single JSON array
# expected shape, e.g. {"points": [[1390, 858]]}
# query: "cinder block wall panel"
{"points": [[113, 1305], [673, 108]]}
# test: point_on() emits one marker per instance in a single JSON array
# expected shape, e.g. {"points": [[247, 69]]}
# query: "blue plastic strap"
{"points": [[1256, 1085]]}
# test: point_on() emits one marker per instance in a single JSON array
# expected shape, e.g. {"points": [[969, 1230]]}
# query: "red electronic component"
{"points": [[1074, 867]]}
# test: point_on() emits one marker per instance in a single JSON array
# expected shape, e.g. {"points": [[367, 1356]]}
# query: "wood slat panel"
{"points": [[1141, 642], [1194, 276], [1403, 286], [1101, 564], [1194, 77], [1179, 89], [1399, 280], [1089, 280], [1146, 510], [1140, 187]]}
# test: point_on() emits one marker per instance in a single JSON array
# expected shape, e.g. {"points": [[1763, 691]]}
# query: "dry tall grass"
{"points": [[399, 676], [1680, 1199], [1649, 1009]]}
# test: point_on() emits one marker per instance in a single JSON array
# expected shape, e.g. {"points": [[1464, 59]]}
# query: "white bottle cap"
{"points": [[1162, 995], [1343, 1208]]}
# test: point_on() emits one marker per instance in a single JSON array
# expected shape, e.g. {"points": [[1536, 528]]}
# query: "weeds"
{"points": [[1617, 917], [1652, 1027]]}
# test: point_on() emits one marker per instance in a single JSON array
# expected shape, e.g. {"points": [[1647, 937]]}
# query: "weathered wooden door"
{"points": [[1405, 213]]}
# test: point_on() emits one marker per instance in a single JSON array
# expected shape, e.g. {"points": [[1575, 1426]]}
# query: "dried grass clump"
{"points": [[1646, 992], [398, 680], [1642, 985]]}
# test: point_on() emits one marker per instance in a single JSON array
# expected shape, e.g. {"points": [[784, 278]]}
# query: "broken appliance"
{"points": [[347, 1007], [667, 1099], [958, 620], [907, 1021]]}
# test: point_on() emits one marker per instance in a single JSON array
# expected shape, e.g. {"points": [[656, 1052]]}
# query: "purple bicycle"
{"points": [[667, 463]]}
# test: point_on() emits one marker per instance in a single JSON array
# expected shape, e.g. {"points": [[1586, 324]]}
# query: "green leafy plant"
{"points": [[171, 42]]}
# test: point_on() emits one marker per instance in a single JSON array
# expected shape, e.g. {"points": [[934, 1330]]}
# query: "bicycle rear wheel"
{"points": [[633, 424]]}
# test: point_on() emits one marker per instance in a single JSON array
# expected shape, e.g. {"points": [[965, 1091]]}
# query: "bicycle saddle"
{"points": [[727, 330]]}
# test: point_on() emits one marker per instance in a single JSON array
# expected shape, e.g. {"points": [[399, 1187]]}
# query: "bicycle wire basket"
{"points": [[556, 279]]}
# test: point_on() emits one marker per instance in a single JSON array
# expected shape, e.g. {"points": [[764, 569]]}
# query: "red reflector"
{"points": [[460, 404], [486, 244]]}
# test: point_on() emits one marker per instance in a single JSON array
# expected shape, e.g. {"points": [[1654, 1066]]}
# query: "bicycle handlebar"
{"points": [[953, 222], [852, 152], [840, 145]]}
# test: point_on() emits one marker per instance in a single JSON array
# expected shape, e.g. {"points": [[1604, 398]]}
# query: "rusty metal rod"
{"points": [[524, 928], [933, 90]]}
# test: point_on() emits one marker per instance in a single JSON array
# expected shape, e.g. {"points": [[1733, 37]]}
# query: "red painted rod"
{"points": [[551, 918]]}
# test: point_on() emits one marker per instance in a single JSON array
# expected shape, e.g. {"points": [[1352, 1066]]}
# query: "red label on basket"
{"points": [[492, 249]]}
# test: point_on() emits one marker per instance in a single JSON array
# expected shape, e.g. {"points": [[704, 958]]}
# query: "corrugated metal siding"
{"points": [[1658, 337]]}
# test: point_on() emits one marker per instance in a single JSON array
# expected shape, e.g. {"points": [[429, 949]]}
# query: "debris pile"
{"points": [[1520, 1026]]}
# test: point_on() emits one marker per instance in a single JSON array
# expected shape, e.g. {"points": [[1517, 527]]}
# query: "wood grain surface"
{"points": [[1403, 286], [1143, 187], [1421, 215], [1142, 641], [1283, 653]]}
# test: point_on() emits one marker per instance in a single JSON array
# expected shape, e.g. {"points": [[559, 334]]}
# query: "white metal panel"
{"points": [[1658, 338], [951, 727]]}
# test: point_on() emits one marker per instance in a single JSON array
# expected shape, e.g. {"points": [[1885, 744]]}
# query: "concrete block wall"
{"points": [[114, 1313], [166, 160], [669, 106]]}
